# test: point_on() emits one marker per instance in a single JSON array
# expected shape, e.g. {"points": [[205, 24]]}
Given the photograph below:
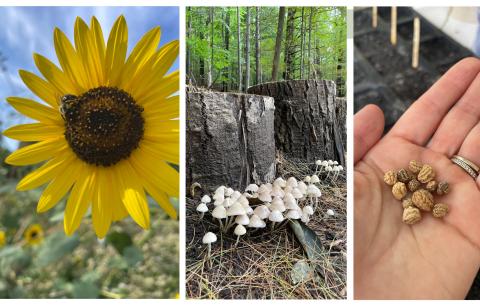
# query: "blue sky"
{"points": [[26, 30]]}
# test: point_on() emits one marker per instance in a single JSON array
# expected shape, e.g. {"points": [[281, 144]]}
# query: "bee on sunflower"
{"points": [[33, 234], [107, 130]]}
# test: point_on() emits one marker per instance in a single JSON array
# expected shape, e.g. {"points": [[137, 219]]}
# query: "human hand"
{"points": [[435, 258]]}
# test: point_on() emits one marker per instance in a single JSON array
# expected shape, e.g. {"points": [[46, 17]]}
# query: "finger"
{"points": [[420, 121], [458, 122], [470, 147], [368, 128]]}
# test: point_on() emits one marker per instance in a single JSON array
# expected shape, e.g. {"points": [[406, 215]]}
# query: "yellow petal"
{"points": [[156, 171], [34, 132], [55, 76], [46, 172], [37, 152], [41, 88], [132, 193], [35, 110], [79, 199], [158, 90], [169, 152], [69, 60], [160, 197], [163, 110], [98, 47], [116, 50], [101, 204], [118, 209], [141, 53], [56, 189]]}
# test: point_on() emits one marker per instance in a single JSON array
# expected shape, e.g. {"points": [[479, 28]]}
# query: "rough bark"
{"points": [[230, 139], [290, 44], [239, 58], [278, 43], [247, 49], [258, 67], [306, 123]]}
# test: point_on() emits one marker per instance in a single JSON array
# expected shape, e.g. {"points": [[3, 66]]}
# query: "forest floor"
{"points": [[260, 266]]}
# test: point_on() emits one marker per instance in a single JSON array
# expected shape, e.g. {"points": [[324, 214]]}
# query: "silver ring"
{"points": [[465, 167], [468, 162]]}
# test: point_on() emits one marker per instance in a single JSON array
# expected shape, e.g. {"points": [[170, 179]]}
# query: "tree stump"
{"points": [[306, 123], [230, 139]]}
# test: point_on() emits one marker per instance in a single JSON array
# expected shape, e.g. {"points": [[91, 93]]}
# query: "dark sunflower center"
{"points": [[103, 125], [34, 234]]}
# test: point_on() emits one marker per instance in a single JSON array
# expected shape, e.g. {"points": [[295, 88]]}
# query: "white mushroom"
{"points": [[256, 222], [302, 187], [293, 214], [277, 204], [335, 162], [292, 182], [313, 191], [252, 188], [280, 182], [275, 216], [277, 191], [307, 179], [243, 201], [235, 195], [308, 210], [261, 211], [330, 162], [236, 209], [206, 199], [239, 231], [242, 220], [202, 209], [249, 210], [208, 239], [265, 197], [218, 201], [228, 202], [330, 212], [219, 213], [324, 163], [305, 218], [297, 194], [314, 179], [318, 162], [219, 193], [228, 192]]}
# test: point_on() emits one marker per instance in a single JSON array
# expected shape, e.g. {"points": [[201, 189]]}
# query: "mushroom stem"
{"points": [[272, 226], [209, 254], [238, 238], [221, 224], [201, 215]]}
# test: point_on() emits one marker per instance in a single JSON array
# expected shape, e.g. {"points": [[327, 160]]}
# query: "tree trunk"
{"points": [[258, 67], [290, 44], [309, 42], [302, 45], [306, 123], [247, 50], [230, 139], [239, 58], [188, 55], [278, 43], [227, 47], [341, 103], [210, 61]]}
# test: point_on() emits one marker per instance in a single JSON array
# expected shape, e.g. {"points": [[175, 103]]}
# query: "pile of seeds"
{"points": [[419, 181]]}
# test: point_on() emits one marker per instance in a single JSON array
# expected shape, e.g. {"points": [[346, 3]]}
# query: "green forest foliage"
{"points": [[313, 45]]}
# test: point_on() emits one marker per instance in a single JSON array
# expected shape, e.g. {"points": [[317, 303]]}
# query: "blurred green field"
{"points": [[128, 263]]}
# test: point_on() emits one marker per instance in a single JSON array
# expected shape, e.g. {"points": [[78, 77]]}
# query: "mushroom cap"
{"points": [[218, 197], [288, 199], [302, 187], [280, 182], [293, 214], [256, 222], [308, 209], [219, 212], [277, 205], [261, 211], [236, 209], [305, 218], [335, 162], [228, 202], [220, 190], [263, 189], [249, 210], [229, 191], [265, 197], [314, 179], [218, 201], [330, 162], [313, 191], [340, 168], [297, 193], [243, 201], [235, 195], [329, 168], [206, 199], [251, 188], [292, 182], [307, 179], [318, 162], [242, 220], [324, 163], [275, 216], [239, 230], [202, 208], [209, 238], [330, 212], [277, 191], [292, 206]]}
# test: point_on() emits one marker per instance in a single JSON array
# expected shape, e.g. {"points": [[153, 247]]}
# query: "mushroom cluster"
{"points": [[257, 205], [329, 166]]}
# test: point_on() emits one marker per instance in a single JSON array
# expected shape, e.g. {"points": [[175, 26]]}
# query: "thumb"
{"points": [[368, 128]]}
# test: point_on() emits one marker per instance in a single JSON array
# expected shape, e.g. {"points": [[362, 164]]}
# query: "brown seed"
{"points": [[440, 210], [407, 203], [443, 188], [413, 185], [404, 176], [399, 190], [390, 177], [431, 186], [414, 166], [426, 174], [423, 200], [411, 215]]}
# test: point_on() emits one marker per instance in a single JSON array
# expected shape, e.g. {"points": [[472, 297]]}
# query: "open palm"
{"points": [[435, 258]]}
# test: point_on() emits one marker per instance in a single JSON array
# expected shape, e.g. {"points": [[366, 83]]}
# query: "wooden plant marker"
{"points": [[393, 27], [416, 42], [374, 17]]}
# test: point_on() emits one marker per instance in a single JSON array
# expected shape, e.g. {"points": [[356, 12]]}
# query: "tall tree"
{"points": [[189, 34], [278, 43], [247, 50], [227, 48], [309, 41], [302, 44], [239, 57], [210, 62], [258, 67], [290, 43]]}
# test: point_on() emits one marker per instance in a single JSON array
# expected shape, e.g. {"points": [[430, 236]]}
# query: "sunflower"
{"points": [[3, 238], [33, 234], [107, 130]]}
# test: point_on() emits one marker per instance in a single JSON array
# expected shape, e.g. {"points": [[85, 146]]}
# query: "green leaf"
{"points": [[301, 272], [132, 255], [56, 246], [309, 240], [85, 289], [119, 240], [13, 258]]}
